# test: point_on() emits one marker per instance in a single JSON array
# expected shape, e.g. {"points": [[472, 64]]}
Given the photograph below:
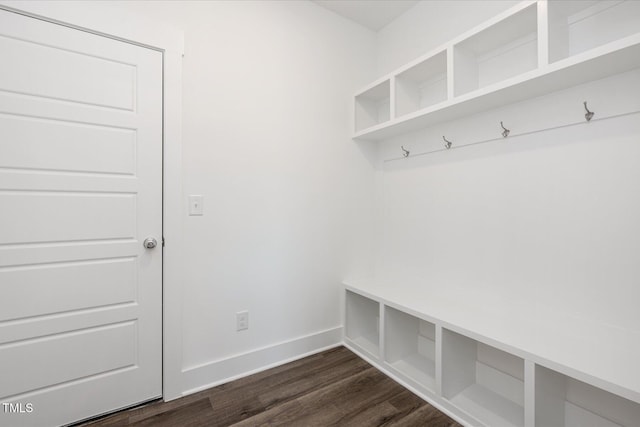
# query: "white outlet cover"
{"points": [[242, 320], [196, 205]]}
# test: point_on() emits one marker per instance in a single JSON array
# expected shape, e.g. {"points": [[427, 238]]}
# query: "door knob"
{"points": [[150, 243]]}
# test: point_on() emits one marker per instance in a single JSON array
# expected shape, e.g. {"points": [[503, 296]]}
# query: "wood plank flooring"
{"points": [[332, 388]]}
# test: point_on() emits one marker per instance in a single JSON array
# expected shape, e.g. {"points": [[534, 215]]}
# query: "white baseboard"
{"points": [[221, 371]]}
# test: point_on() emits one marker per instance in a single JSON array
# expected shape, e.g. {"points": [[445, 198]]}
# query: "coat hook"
{"points": [[505, 131], [589, 114], [405, 152], [447, 143]]}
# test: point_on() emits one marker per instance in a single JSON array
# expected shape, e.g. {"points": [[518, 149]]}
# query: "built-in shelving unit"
{"points": [[497, 366], [487, 364], [532, 49]]}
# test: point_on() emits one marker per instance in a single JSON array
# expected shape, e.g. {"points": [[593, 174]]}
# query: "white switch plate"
{"points": [[196, 205]]}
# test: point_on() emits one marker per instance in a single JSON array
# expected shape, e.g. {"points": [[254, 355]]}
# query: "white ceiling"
{"points": [[373, 14]]}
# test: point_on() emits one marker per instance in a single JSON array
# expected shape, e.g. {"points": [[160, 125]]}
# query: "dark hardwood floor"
{"points": [[332, 388]]}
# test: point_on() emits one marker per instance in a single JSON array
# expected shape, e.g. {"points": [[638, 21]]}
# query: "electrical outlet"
{"points": [[242, 320]]}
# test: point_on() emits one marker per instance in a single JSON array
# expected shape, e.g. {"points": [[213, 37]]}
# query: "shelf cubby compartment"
{"points": [[497, 53], [422, 85], [373, 106], [410, 347], [485, 382], [562, 401], [363, 323], [578, 26]]}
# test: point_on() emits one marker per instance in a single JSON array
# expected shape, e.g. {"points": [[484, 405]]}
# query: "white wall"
{"points": [[266, 103], [267, 100], [549, 219]]}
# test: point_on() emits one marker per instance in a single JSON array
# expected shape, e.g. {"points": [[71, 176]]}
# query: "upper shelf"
{"points": [[530, 50]]}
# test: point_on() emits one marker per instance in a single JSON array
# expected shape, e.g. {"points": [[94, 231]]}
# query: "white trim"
{"points": [[171, 42], [173, 232], [222, 371], [138, 29]]}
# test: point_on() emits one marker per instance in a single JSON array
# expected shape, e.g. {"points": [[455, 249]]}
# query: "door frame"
{"points": [[170, 42]]}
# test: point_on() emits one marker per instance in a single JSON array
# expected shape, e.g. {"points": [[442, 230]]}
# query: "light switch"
{"points": [[196, 205]]}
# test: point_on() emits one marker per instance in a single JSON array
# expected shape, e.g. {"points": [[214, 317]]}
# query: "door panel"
{"points": [[80, 189], [67, 216], [94, 283], [76, 354], [92, 74], [97, 149]]}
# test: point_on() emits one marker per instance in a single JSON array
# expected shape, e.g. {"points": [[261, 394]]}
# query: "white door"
{"points": [[80, 190]]}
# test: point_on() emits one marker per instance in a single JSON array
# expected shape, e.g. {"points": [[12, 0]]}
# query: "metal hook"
{"points": [[447, 143], [589, 114], [405, 152], [505, 131]]}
